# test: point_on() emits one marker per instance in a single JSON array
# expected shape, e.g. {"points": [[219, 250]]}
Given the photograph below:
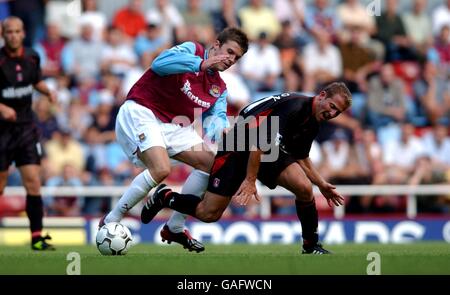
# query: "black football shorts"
{"points": [[230, 169], [19, 143]]}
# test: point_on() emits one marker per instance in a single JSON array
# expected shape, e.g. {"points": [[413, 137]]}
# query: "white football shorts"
{"points": [[138, 128]]}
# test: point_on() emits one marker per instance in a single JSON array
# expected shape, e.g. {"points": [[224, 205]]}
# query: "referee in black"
{"points": [[20, 73]]}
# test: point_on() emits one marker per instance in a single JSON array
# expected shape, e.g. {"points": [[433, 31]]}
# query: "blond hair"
{"points": [[339, 88]]}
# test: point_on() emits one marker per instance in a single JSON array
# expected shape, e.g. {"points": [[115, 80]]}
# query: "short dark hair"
{"points": [[339, 88], [234, 34]]}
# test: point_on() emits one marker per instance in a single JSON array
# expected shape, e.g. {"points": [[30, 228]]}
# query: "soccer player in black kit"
{"points": [[20, 73], [285, 123]]}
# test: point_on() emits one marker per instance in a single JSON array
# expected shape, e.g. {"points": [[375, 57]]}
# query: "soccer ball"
{"points": [[114, 239]]}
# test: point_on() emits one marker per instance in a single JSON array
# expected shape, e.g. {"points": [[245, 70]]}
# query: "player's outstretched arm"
{"points": [[248, 187], [327, 189]]}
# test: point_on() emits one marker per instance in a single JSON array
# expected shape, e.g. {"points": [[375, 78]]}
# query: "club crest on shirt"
{"points": [[214, 91], [142, 137], [216, 182]]}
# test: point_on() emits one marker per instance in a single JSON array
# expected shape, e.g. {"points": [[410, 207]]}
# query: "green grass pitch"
{"points": [[238, 259]]}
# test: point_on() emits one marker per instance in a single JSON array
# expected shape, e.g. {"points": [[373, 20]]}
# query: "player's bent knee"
{"points": [[160, 173], [209, 216], [304, 192]]}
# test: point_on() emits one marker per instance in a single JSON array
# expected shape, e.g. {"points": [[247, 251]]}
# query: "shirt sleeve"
{"points": [[215, 118], [176, 60]]}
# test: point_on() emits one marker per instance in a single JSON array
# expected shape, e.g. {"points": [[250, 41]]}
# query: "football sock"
{"points": [[195, 184], [184, 203], [309, 218], [35, 213], [138, 189]]}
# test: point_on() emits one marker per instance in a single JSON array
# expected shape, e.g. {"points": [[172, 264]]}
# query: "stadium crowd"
{"points": [[397, 66]]}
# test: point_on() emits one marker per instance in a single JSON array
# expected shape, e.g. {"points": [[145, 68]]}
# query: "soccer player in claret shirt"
{"points": [[20, 73], [286, 126], [155, 122]]}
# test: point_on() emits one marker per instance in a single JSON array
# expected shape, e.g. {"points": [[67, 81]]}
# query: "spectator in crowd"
{"points": [[292, 12], [63, 150], [437, 147], [418, 27], [400, 156], [64, 205], [49, 50], [256, 18], [225, 16], [321, 18], [172, 22], [198, 23], [99, 205], [130, 19], [432, 92], [426, 173], [289, 51], [358, 63], [386, 98], [117, 57], [353, 14], [261, 67], [46, 120], [152, 41], [443, 47], [391, 32], [96, 18], [441, 16], [322, 62], [81, 57]]}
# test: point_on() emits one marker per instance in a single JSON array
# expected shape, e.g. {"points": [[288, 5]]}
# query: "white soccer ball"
{"points": [[114, 239]]}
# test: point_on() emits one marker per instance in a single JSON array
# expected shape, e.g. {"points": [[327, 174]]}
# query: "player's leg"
{"points": [[208, 209], [227, 174], [158, 167], [139, 134], [294, 179], [201, 159], [30, 175], [174, 230], [27, 157]]}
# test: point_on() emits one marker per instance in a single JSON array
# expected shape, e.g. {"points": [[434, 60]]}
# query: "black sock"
{"points": [[183, 203], [35, 212], [309, 218]]}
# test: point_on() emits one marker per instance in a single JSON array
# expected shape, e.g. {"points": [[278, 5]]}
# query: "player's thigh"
{"points": [[31, 178], [294, 179], [200, 157], [211, 208], [137, 130], [157, 161]]}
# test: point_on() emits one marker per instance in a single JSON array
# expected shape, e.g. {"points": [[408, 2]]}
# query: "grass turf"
{"points": [[237, 259]]}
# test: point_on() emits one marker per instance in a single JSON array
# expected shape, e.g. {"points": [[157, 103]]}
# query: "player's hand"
{"points": [[333, 197], [52, 97], [8, 114], [245, 192], [213, 60]]}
